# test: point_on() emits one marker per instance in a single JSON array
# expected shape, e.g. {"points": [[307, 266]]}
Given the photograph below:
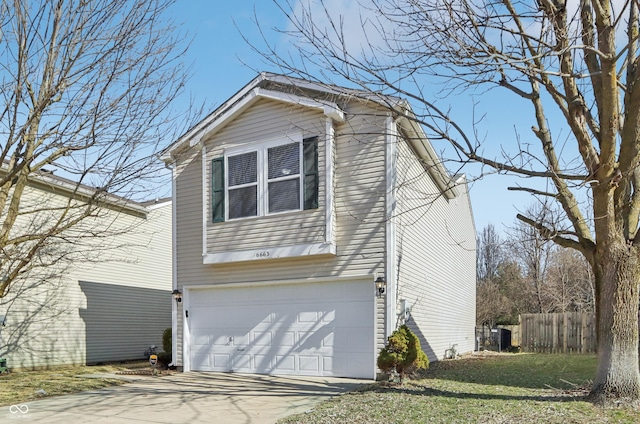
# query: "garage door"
{"points": [[322, 329]]}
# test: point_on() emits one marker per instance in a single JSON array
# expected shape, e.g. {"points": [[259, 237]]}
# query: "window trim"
{"points": [[320, 248], [299, 176], [262, 149]]}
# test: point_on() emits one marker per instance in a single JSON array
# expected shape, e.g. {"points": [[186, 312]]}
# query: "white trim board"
{"points": [[310, 280], [295, 251], [217, 121]]}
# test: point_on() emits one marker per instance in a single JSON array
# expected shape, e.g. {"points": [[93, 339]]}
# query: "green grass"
{"points": [[521, 388], [18, 387]]}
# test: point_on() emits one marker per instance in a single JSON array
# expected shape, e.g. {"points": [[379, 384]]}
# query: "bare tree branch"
{"points": [[86, 92]]}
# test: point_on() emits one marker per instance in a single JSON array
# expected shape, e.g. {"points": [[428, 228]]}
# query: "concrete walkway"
{"points": [[185, 398]]}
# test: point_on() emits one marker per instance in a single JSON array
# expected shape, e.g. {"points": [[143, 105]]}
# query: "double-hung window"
{"points": [[283, 177], [242, 189], [265, 179]]}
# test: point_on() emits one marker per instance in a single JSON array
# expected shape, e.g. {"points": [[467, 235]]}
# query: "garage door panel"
{"points": [[200, 350], [285, 364], [242, 363], [306, 317], [221, 362], [220, 339], [315, 339], [263, 363], [328, 340], [285, 339], [309, 329], [200, 359], [261, 338], [328, 364], [201, 337], [309, 364]]}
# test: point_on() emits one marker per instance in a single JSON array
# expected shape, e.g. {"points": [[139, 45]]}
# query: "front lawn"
{"points": [[505, 388], [19, 387]]}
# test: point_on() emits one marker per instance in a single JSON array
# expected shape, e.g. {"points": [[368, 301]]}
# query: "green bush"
{"points": [[402, 354], [166, 340]]}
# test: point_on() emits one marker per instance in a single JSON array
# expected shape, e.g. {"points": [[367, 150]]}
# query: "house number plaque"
{"points": [[263, 254]]}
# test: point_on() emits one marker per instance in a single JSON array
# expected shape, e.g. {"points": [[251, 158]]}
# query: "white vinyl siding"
{"points": [[436, 259]]}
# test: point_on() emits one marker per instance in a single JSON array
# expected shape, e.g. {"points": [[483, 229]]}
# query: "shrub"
{"points": [[402, 354], [166, 340]]}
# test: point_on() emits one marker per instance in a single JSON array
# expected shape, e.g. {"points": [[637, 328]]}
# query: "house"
{"points": [[291, 200], [109, 302]]}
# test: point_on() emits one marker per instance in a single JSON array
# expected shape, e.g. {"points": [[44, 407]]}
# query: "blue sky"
{"points": [[223, 63]]}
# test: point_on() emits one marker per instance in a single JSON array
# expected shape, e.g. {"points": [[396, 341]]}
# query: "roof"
{"points": [[46, 180], [321, 96]]}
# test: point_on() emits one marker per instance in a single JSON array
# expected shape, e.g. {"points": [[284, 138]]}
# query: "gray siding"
{"points": [[436, 259], [121, 322], [359, 196]]}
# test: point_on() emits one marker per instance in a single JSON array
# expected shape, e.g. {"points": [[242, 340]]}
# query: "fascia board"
{"points": [[60, 185], [422, 146], [216, 121], [167, 155]]}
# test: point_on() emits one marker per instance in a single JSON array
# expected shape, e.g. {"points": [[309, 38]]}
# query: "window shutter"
{"points": [[310, 168], [217, 189]]}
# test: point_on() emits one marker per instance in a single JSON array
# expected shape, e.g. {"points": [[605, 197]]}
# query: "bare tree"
{"points": [[492, 300], [576, 62], [569, 283], [491, 304], [86, 88], [490, 254], [533, 251]]}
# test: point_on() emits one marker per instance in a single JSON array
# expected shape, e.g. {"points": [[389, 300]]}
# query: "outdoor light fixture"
{"points": [[177, 295], [381, 286]]}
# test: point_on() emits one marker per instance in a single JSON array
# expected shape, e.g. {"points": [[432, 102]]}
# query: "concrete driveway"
{"points": [[185, 398]]}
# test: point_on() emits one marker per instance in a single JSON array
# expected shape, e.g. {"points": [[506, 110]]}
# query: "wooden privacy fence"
{"points": [[570, 332]]}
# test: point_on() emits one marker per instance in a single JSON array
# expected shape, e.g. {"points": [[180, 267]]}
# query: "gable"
{"points": [[235, 106], [263, 121], [272, 230]]}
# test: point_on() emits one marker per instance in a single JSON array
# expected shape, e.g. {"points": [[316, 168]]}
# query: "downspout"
{"points": [[174, 267], [391, 146]]}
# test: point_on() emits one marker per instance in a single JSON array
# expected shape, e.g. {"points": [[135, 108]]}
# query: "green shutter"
{"points": [[310, 169], [217, 189]]}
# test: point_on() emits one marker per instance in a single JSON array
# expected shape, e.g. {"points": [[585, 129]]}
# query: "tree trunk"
{"points": [[617, 274]]}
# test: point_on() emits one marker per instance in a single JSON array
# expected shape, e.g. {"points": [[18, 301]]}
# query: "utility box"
{"points": [[3, 365], [503, 338]]}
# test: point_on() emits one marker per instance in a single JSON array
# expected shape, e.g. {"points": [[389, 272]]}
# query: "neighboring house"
{"points": [[291, 200], [110, 302]]}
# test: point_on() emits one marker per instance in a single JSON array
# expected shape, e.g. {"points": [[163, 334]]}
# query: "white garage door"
{"points": [[323, 329]]}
